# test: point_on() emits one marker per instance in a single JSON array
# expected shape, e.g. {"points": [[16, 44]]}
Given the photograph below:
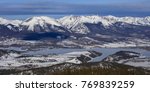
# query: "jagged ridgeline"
{"points": [[78, 25]]}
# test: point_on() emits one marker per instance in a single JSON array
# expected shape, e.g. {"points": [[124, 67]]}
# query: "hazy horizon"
{"points": [[17, 9], [23, 17]]}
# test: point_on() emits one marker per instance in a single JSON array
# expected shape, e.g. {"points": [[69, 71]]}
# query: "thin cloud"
{"points": [[49, 7]]}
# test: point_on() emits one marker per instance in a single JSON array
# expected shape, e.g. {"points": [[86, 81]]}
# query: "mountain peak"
{"points": [[41, 21]]}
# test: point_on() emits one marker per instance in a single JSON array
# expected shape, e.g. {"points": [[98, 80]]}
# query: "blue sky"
{"points": [[56, 8]]}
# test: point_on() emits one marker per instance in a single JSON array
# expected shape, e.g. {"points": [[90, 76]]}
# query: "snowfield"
{"points": [[13, 59]]}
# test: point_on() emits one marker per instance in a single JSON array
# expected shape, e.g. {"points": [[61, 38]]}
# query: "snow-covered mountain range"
{"points": [[77, 23], [81, 30], [73, 24]]}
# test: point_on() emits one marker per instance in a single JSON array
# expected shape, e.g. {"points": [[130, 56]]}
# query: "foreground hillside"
{"points": [[103, 68], [75, 63]]}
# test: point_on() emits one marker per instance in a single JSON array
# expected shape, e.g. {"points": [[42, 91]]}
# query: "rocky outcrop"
{"points": [[121, 55], [86, 58]]}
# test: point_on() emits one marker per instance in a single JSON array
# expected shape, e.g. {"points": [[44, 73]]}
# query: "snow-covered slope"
{"points": [[41, 23], [9, 25], [13, 59], [76, 23], [71, 21], [73, 24], [6, 22]]}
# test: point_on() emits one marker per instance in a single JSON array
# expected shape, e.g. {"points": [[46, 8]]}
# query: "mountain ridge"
{"points": [[100, 29], [71, 23]]}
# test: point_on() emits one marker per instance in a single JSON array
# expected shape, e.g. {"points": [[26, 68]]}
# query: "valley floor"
{"points": [[43, 59]]}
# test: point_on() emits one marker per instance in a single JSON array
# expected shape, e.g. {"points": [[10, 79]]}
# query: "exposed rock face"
{"points": [[2, 52], [6, 52], [129, 58], [85, 58], [121, 55]]}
